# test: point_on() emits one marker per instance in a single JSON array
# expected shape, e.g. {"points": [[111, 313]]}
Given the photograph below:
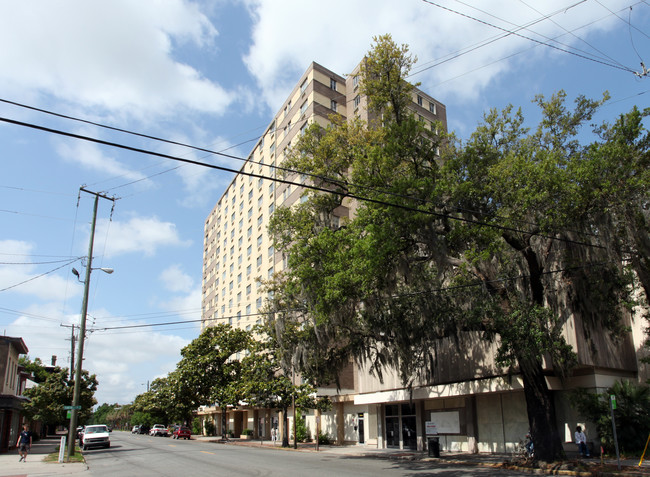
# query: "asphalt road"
{"points": [[143, 456]]}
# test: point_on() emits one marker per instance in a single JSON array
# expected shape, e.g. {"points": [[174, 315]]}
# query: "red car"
{"points": [[181, 433]]}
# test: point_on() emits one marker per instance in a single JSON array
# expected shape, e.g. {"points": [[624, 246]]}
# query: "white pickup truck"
{"points": [[159, 430]]}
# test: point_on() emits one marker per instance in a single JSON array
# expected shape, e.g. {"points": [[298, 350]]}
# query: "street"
{"points": [[142, 455]]}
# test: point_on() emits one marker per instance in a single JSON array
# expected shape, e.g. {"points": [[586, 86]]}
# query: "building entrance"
{"points": [[401, 427]]}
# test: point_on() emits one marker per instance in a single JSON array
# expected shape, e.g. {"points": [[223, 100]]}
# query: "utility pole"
{"points": [[72, 350], [82, 328]]}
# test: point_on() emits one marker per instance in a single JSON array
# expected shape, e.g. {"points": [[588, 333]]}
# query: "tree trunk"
{"points": [[285, 430], [541, 412], [224, 422]]}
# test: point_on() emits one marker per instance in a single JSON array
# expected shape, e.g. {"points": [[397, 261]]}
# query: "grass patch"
{"points": [[76, 457]]}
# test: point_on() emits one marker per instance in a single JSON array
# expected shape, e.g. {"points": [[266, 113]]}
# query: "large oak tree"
{"points": [[506, 236]]}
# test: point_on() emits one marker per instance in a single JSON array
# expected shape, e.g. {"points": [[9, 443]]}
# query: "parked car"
{"points": [[182, 432], [144, 429], [135, 430], [159, 430], [95, 436]]}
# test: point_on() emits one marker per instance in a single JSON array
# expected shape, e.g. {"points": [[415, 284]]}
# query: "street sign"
{"points": [[71, 407]]}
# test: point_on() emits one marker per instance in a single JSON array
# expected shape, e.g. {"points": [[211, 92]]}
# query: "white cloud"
{"points": [[139, 234], [117, 55], [176, 280], [433, 34], [92, 157]]}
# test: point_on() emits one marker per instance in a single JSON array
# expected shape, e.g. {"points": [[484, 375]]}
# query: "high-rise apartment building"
{"points": [[237, 248]]}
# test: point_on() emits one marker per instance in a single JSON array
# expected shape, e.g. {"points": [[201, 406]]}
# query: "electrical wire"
{"points": [[39, 276], [298, 184], [510, 32]]}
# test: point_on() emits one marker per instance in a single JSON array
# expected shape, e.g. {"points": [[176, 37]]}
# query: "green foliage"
{"points": [[196, 426], [209, 428], [247, 432], [632, 415], [50, 396], [302, 432], [35, 368], [324, 439], [99, 415]]}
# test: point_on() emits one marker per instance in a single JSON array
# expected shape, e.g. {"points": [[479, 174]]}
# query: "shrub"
{"points": [[632, 414], [209, 428], [302, 433], [247, 432], [324, 439], [196, 426]]}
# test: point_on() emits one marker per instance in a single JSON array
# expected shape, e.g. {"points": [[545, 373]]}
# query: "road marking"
{"points": [[171, 445], [206, 452]]}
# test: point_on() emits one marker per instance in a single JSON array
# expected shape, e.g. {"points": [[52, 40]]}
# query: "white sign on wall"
{"points": [[446, 422]]}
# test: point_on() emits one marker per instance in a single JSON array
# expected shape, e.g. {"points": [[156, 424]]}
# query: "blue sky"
{"points": [[212, 74]]}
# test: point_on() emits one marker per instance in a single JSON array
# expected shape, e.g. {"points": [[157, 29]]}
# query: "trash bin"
{"points": [[433, 443]]}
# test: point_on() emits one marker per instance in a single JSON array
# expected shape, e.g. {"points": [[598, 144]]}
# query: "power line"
{"points": [[510, 32], [298, 184], [38, 276]]}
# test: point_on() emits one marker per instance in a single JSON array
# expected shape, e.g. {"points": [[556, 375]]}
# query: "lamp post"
{"points": [[82, 333]]}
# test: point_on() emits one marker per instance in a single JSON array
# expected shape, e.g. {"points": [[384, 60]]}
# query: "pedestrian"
{"points": [[581, 440], [24, 443], [274, 435]]}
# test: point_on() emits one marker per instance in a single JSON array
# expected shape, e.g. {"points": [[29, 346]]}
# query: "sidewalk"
{"points": [[584, 467], [34, 466]]}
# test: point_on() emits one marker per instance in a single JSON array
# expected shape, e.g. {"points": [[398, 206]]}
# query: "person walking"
{"points": [[24, 443]]}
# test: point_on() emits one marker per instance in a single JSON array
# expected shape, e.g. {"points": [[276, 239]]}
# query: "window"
{"points": [[271, 272], [355, 81], [333, 105], [248, 309], [333, 84], [248, 289], [249, 251], [260, 181], [419, 99], [248, 270], [241, 224], [357, 101], [432, 108], [240, 241], [232, 217], [258, 303], [259, 261], [239, 259], [271, 187], [231, 285], [303, 129], [303, 108], [241, 189], [271, 250], [250, 213], [260, 219], [239, 278], [259, 241], [303, 86], [232, 250], [223, 292], [249, 232], [259, 202], [238, 301], [250, 192], [271, 208]]}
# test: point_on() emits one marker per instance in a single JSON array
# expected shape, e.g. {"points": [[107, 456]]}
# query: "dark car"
{"points": [[182, 433], [144, 430]]}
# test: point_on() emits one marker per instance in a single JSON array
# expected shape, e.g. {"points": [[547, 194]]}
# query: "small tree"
{"points": [[632, 414]]}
